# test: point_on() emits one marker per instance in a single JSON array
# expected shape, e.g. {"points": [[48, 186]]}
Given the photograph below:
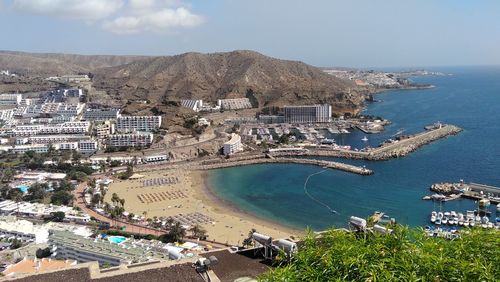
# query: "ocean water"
{"points": [[470, 98]]}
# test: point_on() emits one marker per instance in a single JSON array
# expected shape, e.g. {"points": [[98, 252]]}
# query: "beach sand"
{"points": [[227, 224]]}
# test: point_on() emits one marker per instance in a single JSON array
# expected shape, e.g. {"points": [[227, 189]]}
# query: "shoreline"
{"points": [[211, 199]]}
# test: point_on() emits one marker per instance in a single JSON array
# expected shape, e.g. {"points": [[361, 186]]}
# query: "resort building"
{"points": [[130, 140], [41, 211], [101, 114], [235, 104], [87, 146], [70, 246], [10, 99], [63, 128], [155, 158], [138, 123], [103, 130], [233, 146], [33, 266], [53, 139], [23, 230], [194, 105], [21, 149], [308, 114]]}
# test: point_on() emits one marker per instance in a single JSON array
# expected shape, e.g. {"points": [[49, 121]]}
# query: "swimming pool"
{"points": [[23, 188], [117, 239]]}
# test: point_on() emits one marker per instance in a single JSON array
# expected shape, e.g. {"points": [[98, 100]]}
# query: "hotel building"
{"points": [[130, 140], [10, 99], [233, 146], [138, 123], [101, 114], [308, 114]]}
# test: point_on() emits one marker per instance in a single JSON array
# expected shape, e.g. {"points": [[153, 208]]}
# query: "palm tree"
{"points": [[198, 231], [177, 233]]}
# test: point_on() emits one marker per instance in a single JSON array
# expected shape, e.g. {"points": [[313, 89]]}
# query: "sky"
{"points": [[351, 33]]}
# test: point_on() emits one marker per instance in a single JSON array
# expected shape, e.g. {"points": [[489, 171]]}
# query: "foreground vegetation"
{"points": [[407, 255]]}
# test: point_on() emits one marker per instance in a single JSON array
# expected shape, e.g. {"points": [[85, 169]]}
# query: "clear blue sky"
{"points": [[370, 33]]}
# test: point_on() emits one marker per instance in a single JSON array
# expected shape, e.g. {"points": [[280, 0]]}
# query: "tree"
{"points": [[405, 255], [37, 192], [76, 156], [96, 199], [57, 216], [198, 232], [16, 244], [7, 175], [61, 198], [43, 253]]}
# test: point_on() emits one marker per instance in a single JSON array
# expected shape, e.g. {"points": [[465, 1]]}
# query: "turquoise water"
{"points": [[470, 99], [23, 188], [117, 239]]}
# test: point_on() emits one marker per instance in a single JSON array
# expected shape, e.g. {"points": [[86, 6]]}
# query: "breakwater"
{"points": [[262, 160], [395, 149]]}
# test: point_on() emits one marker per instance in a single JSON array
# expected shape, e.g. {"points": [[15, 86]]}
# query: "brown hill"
{"points": [[267, 81], [52, 64]]}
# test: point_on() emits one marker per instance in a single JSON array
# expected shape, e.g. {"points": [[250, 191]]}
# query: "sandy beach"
{"points": [[185, 194]]}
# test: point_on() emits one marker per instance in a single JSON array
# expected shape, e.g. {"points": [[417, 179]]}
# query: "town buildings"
{"points": [[308, 114], [139, 139], [233, 145], [10, 99], [138, 123], [101, 114]]}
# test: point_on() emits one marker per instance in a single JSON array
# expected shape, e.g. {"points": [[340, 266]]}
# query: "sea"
{"points": [[469, 98]]}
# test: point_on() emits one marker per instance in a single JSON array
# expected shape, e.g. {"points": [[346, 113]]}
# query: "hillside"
{"points": [[51, 64], [166, 80], [267, 81]]}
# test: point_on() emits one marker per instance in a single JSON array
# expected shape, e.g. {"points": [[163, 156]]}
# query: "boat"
{"points": [[364, 139], [460, 216], [440, 215], [498, 208], [444, 220], [485, 219], [461, 222], [438, 221], [433, 218], [477, 218], [472, 223], [453, 214], [447, 214]]}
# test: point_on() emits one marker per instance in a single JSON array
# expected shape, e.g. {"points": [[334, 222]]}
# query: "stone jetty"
{"points": [[396, 149], [262, 160]]}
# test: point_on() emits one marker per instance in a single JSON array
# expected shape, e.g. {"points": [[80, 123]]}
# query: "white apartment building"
{"points": [[233, 145], [10, 99], [308, 114], [6, 115], [66, 146], [21, 149], [52, 139], [87, 146], [70, 110], [155, 158], [67, 245], [235, 104], [63, 128], [101, 114], [130, 140], [194, 105], [138, 123]]}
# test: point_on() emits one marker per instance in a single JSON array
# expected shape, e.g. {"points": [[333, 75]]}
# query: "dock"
{"points": [[396, 149], [478, 192], [262, 160]]}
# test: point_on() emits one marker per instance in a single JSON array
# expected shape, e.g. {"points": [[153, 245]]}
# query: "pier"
{"points": [[262, 160], [477, 191], [395, 149]]}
